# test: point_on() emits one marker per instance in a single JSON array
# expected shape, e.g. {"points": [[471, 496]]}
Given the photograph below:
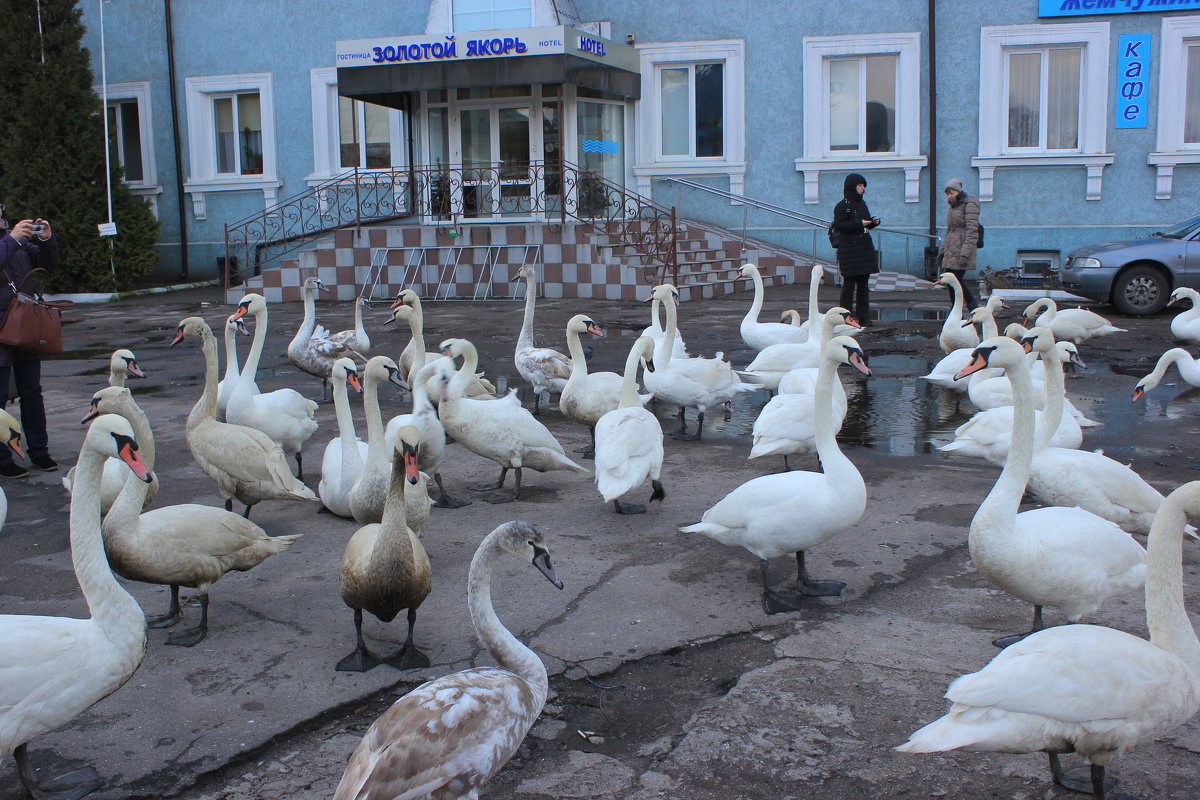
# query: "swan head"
{"points": [[644, 347], [113, 436], [453, 348], [1069, 352], [125, 361], [523, 540], [345, 370], [10, 432], [407, 297], [524, 273], [400, 312], [844, 350], [977, 316], [1184, 293], [408, 447], [664, 292], [312, 285], [190, 327], [1015, 330], [748, 270], [1144, 385], [235, 324], [252, 303], [384, 369], [110, 400], [994, 302], [1036, 338], [582, 323], [840, 316], [947, 279], [1036, 308], [998, 351], [790, 317]]}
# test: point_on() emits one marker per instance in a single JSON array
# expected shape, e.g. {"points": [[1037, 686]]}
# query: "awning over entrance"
{"points": [[376, 70]]}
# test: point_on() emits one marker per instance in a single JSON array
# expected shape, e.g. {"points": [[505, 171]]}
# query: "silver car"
{"points": [[1137, 276]]}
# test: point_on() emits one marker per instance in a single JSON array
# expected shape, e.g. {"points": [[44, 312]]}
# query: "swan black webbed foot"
{"points": [[775, 601], [173, 615], [361, 659], [408, 656], [68, 786], [487, 487], [658, 492], [446, 501], [813, 588], [193, 636], [1091, 780], [1005, 641], [628, 508]]}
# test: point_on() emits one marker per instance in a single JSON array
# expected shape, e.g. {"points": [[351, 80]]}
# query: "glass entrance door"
{"points": [[496, 142]]}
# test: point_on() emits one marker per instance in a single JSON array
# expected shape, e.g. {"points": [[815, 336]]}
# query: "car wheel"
{"points": [[1140, 290]]}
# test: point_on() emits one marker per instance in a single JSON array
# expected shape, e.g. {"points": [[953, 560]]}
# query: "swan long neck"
{"points": [[814, 284], [997, 512], [1177, 356], [575, 348], [206, 406], [629, 398], [525, 340], [833, 461], [310, 315], [360, 331], [395, 518], [507, 649], [250, 369], [345, 423], [989, 327], [458, 384], [111, 606], [666, 346], [116, 377], [122, 515], [956, 310], [376, 444], [1166, 615], [655, 324], [757, 304], [1055, 385], [232, 370]]}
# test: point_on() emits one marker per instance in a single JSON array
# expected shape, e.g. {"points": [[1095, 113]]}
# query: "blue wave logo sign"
{"points": [[600, 146]]}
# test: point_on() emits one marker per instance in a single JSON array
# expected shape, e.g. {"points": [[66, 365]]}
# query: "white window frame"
{"points": [[995, 44], [545, 13], [199, 92], [649, 163], [139, 91], [327, 156], [906, 154], [1170, 151]]}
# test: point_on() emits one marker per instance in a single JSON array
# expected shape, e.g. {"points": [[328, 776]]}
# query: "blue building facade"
{"points": [[1073, 121]]}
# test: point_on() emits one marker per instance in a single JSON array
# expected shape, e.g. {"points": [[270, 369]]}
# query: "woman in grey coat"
{"points": [[962, 237]]}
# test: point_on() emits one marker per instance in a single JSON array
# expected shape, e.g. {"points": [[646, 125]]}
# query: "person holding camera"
{"points": [[856, 256], [962, 238], [29, 245]]}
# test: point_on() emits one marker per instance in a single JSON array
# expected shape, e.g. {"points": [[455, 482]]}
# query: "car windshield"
{"points": [[1185, 228]]}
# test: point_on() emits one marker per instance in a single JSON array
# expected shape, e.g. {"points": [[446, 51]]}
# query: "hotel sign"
{"points": [[1075, 8], [475, 45]]}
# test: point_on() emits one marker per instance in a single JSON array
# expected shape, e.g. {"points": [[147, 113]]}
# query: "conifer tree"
{"points": [[52, 150]]}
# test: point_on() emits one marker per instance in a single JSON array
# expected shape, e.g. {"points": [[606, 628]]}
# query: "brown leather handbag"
{"points": [[32, 323]]}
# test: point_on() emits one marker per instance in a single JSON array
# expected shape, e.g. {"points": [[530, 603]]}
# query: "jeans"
{"points": [[28, 376], [860, 306], [969, 301]]}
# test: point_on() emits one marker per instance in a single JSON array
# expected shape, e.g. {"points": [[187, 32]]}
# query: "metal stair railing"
{"points": [[544, 192], [819, 249]]}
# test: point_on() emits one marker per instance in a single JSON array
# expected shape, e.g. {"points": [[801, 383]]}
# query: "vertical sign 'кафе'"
{"points": [[1133, 86]]}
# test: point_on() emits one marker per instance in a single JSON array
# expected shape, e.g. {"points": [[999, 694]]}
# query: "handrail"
{"points": [[539, 191]]}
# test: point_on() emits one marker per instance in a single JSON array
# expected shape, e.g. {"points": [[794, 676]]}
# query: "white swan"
{"points": [[1075, 324], [695, 383], [182, 545], [588, 396], [1085, 688], [10, 435], [629, 440], [232, 369], [244, 462], [943, 371], [424, 418], [311, 349], [122, 364], [1062, 557], [285, 415], [655, 330], [764, 334], [407, 307], [1189, 370], [369, 493], [447, 737], [344, 456], [1186, 324], [495, 429], [791, 512], [955, 334], [545, 369], [385, 569], [355, 338], [776, 361], [55, 668], [988, 434]]}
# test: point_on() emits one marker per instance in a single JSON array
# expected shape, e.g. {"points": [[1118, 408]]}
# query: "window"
{"points": [[692, 119], [862, 108], [1037, 267], [490, 15], [692, 111], [364, 134], [130, 132], [350, 134], [1043, 98], [862, 104], [237, 133], [1178, 101]]}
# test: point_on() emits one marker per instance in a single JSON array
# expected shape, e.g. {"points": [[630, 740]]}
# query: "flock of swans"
{"points": [[447, 737]]}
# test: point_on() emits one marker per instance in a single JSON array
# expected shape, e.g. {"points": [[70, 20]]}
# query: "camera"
{"points": [[39, 228]]}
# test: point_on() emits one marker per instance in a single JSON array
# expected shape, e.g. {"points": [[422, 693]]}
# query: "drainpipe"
{"points": [[180, 202], [931, 35]]}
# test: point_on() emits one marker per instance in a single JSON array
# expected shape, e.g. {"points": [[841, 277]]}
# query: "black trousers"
{"points": [[969, 300], [28, 377], [856, 296]]}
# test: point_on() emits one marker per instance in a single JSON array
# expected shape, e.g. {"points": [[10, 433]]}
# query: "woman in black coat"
{"points": [[857, 259]]}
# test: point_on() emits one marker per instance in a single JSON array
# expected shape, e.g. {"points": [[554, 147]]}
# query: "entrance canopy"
{"points": [[378, 70]]}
